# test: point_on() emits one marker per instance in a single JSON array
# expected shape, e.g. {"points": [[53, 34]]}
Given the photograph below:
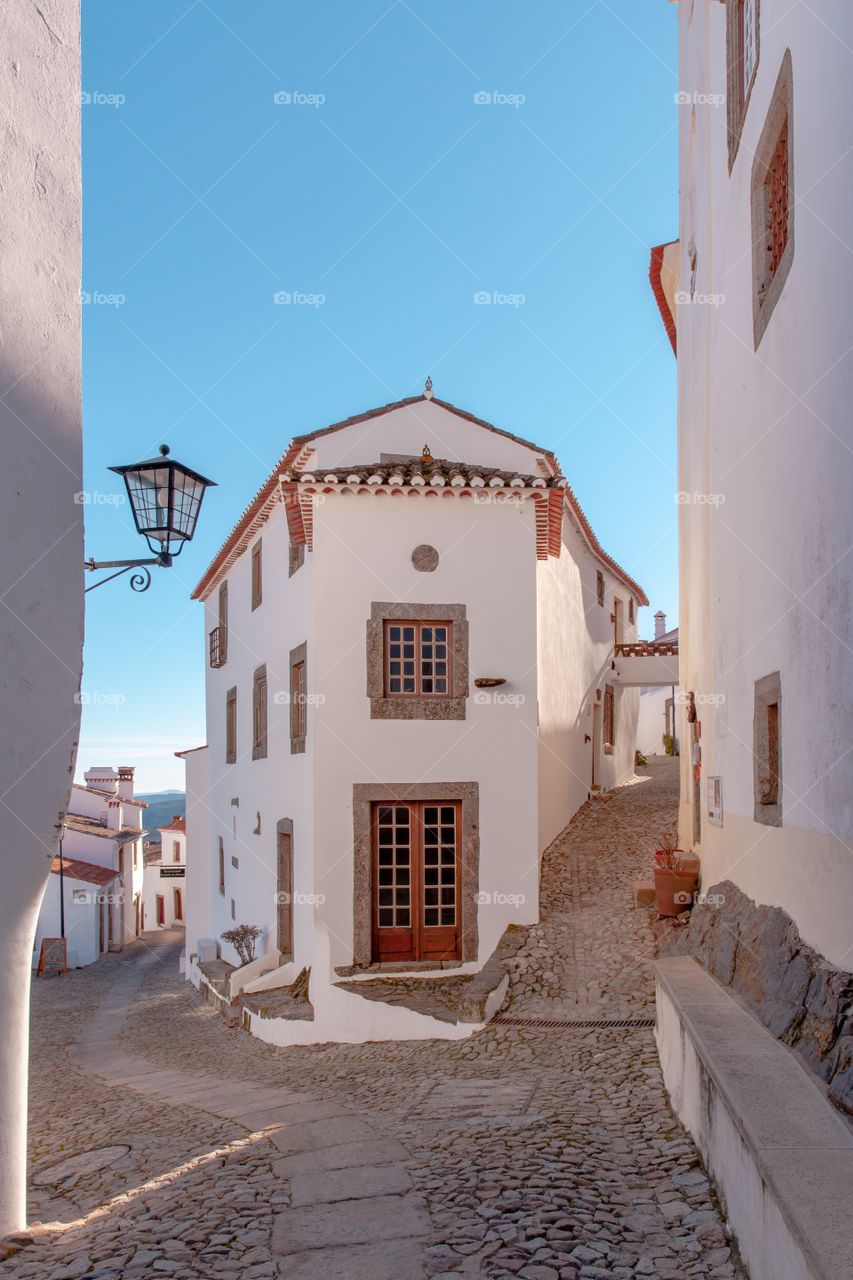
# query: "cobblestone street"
{"points": [[543, 1153]]}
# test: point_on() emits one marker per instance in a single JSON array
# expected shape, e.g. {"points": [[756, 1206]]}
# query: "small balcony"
{"points": [[218, 646], [645, 663]]}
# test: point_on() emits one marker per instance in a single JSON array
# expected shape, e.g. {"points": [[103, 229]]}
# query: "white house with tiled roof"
{"points": [[410, 691], [101, 870], [164, 880]]}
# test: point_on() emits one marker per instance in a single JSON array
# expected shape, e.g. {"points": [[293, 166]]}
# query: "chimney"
{"points": [[114, 814], [125, 781], [102, 778], [660, 624]]}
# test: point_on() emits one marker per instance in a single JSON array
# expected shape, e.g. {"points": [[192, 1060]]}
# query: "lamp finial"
{"points": [[428, 388]]}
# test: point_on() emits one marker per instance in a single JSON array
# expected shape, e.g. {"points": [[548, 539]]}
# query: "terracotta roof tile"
{"points": [[88, 871], [269, 493]]}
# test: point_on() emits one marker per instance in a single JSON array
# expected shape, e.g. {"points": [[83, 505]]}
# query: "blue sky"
{"points": [[387, 189]]}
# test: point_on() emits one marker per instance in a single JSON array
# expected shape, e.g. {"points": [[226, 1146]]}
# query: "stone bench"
{"points": [[780, 1154]]}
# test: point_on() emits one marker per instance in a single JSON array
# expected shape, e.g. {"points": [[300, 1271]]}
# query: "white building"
{"points": [[102, 870], [756, 297], [41, 621], [410, 691], [164, 882]]}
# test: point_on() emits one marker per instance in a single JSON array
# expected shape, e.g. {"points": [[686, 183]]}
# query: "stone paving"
{"points": [[546, 1154]]}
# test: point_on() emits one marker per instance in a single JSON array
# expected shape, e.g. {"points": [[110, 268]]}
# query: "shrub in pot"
{"points": [[676, 876]]}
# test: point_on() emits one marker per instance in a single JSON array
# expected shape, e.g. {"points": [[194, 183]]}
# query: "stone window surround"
{"points": [[295, 557], [260, 745], [736, 106], [424, 707], [297, 655], [231, 725], [781, 106], [599, 586], [365, 795], [768, 692]]}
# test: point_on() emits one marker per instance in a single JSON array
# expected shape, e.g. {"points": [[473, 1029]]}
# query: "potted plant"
{"points": [[676, 876]]}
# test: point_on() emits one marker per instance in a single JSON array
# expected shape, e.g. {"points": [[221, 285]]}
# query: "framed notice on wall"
{"points": [[53, 958]]}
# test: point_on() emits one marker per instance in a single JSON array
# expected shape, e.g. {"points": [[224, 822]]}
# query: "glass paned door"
{"points": [[416, 910]]}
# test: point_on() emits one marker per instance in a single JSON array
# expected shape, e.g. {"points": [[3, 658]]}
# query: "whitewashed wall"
{"points": [[766, 573], [279, 786], [82, 928], [574, 654], [487, 552], [651, 720], [41, 625]]}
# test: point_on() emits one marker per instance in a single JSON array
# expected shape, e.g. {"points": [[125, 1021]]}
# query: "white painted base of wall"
{"points": [[779, 1154]]}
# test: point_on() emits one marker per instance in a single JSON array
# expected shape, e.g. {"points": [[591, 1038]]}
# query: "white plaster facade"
{"points": [[41, 622], [527, 745], [765, 446], [164, 887]]}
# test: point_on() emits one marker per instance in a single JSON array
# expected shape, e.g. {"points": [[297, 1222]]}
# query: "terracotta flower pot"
{"points": [[674, 890]]}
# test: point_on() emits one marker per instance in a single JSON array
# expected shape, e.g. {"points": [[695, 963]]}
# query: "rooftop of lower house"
{"points": [[96, 827], [109, 795], [89, 872]]}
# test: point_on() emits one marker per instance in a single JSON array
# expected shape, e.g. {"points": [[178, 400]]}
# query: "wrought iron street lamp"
{"points": [[165, 498]]}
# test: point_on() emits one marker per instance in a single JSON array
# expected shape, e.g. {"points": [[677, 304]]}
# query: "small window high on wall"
{"points": [[767, 750], [742, 50], [773, 203]]}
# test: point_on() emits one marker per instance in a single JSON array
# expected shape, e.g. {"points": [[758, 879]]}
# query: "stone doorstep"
{"points": [[801, 1146], [349, 1222], [394, 1260]]}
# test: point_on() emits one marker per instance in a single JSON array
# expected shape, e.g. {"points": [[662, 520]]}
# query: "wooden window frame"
{"points": [[176, 850], [299, 699], [768, 280], [257, 574], [599, 587], [608, 720], [260, 714], [231, 726], [419, 626], [738, 89], [284, 888], [221, 856], [417, 706]]}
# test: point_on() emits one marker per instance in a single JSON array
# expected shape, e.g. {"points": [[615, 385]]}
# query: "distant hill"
{"points": [[162, 807]]}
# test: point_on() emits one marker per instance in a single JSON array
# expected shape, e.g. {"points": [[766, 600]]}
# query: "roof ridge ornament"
{"points": [[428, 388]]}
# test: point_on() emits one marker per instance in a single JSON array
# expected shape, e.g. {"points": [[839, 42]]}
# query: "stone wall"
{"points": [[801, 999]]}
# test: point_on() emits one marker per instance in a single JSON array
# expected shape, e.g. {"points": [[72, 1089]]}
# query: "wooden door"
{"points": [[284, 893], [416, 891], [161, 909], [179, 905]]}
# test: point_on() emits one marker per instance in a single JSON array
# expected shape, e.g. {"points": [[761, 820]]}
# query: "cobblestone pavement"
{"points": [[547, 1154]]}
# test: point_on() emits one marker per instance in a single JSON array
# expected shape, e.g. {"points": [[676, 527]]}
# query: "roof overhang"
{"points": [[663, 277]]}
